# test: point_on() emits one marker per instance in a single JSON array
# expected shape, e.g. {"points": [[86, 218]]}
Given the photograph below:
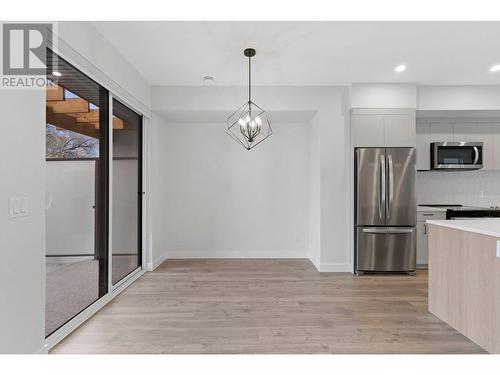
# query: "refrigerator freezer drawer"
{"points": [[390, 249]]}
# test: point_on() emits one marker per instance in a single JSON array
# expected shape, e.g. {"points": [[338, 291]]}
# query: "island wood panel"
{"points": [[464, 283]]}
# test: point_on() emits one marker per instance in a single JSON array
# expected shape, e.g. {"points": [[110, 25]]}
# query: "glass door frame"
{"points": [[101, 194], [86, 68], [142, 205]]}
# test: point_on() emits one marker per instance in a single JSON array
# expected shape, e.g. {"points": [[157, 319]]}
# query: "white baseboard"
{"points": [[157, 261], [321, 267], [335, 267], [237, 254], [316, 263]]}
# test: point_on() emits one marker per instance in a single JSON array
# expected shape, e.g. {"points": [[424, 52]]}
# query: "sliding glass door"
{"points": [[127, 191], [77, 118], [94, 192]]}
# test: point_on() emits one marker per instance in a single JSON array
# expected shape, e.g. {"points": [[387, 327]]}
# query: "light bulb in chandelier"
{"points": [[250, 128]]}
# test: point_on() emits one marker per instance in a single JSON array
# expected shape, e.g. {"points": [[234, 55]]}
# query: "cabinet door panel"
{"points": [[400, 130], [421, 243], [496, 146], [368, 130], [485, 134], [441, 132], [465, 132], [423, 146]]}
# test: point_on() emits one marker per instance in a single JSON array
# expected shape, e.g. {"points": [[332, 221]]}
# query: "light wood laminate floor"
{"points": [[266, 306]]}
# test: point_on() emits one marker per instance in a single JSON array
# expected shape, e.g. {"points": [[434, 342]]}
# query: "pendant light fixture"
{"points": [[250, 124]]}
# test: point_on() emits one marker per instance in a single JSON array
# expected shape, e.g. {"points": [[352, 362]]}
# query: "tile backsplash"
{"points": [[471, 188]]}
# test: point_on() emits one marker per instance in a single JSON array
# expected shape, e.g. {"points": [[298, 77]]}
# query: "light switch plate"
{"points": [[498, 249], [18, 207]]}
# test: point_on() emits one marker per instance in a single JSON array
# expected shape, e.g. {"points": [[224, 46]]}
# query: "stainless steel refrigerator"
{"points": [[386, 209]]}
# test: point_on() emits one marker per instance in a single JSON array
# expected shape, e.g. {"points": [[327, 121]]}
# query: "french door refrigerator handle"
{"points": [[391, 185], [382, 186], [388, 230]]}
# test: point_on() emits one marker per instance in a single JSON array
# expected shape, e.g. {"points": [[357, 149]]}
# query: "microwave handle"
{"points": [[476, 157]]}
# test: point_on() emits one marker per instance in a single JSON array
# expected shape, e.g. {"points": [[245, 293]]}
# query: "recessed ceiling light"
{"points": [[57, 74], [208, 79], [400, 68], [495, 68]]}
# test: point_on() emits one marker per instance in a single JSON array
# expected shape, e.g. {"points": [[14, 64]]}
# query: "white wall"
{"points": [[472, 188], [334, 184], [221, 200], [187, 105], [125, 206], [381, 95], [70, 217], [81, 43], [315, 195], [426, 98], [458, 97], [159, 178], [125, 185], [22, 240]]}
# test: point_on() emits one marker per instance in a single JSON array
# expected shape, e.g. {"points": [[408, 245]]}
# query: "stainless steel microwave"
{"points": [[456, 155]]}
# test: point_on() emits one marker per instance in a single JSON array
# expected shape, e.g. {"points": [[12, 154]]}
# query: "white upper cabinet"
{"points": [[465, 132], [383, 128], [368, 130], [485, 134], [441, 132], [480, 129], [423, 146], [400, 130], [496, 145], [429, 131]]}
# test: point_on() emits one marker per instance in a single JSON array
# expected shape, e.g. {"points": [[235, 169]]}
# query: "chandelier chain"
{"points": [[249, 79]]}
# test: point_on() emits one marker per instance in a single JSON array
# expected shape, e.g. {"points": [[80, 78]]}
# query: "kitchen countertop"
{"points": [[431, 209], [488, 227]]}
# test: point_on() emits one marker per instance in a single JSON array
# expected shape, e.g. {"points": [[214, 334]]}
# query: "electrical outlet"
{"points": [[18, 207]]}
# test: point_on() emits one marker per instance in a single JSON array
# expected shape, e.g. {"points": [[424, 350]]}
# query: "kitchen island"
{"points": [[464, 277]]}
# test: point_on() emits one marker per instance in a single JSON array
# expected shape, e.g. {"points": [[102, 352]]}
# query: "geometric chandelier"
{"points": [[249, 125]]}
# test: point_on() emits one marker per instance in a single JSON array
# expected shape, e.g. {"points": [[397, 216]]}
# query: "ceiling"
{"points": [[309, 53]]}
